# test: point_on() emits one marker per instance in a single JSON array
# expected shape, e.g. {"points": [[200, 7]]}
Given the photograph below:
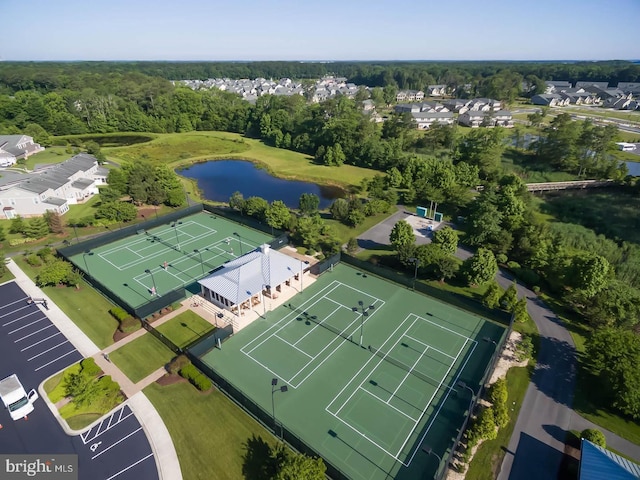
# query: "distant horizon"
{"points": [[565, 60], [335, 31]]}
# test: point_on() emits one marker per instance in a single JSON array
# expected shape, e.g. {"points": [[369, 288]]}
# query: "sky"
{"points": [[320, 30]]}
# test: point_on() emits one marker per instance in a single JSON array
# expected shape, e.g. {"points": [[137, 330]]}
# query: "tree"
{"points": [[352, 245], [117, 212], [509, 299], [3, 235], [308, 203], [614, 356], [445, 267], [54, 272], [595, 436], [589, 273], [339, 209], [3, 265], [277, 215], [402, 235], [255, 207], [17, 225], [480, 268], [446, 238], [491, 297], [236, 201], [36, 227], [308, 231], [54, 221], [297, 466], [520, 313], [617, 305]]}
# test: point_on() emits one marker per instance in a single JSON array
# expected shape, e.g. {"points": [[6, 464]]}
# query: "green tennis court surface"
{"points": [[365, 391], [155, 261]]}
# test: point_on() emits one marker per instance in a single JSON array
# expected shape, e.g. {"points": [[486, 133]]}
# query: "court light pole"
{"points": [[461, 384], [155, 289], [175, 229], [416, 261], [274, 389], [75, 231], [364, 312], [239, 240], [489, 340], [84, 257], [201, 262], [429, 451]]}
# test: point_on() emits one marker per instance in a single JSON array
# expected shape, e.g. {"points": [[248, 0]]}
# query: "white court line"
{"points": [[116, 443], [55, 360], [410, 372], [37, 331], [443, 328], [15, 310], [291, 345], [27, 325], [130, 466], [44, 340], [387, 403], [137, 254], [427, 345], [20, 318], [318, 326], [47, 351], [23, 299]]}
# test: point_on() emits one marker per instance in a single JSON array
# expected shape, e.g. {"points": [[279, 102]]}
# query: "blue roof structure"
{"points": [[597, 463]]}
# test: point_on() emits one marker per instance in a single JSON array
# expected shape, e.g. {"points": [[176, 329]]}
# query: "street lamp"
{"points": [[461, 384], [429, 451], [489, 340], [175, 229], [155, 289], [416, 261], [239, 240], [274, 389], [201, 262], [84, 257], [302, 264], [75, 231], [364, 313]]}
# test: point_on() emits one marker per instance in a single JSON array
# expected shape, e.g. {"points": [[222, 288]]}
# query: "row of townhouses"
{"points": [[562, 93], [16, 147], [471, 113], [54, 187]]}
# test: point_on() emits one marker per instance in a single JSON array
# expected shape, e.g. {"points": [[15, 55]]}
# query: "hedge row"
{"points": [[119, 314], [198, 379]]}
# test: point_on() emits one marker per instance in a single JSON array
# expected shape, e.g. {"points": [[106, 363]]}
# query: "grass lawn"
{"points": [[177, 149], [85, 307], [185, 328], [55, 387], [209, 431], [50, 155], [345, 232], [488, 458], [7, 276], [141, 357]]}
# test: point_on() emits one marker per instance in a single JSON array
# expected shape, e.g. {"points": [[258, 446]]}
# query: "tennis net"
{"points": [[331, 328], [404, 366]]}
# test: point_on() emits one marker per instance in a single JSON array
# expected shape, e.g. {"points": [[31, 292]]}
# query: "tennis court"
{"points": [[371, 370], [153, 262]]}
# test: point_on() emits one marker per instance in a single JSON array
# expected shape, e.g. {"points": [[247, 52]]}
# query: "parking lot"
{"points": [[32, 347]]}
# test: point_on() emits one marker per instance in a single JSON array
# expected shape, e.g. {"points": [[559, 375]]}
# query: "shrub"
{"points": [[595, 436], [484, 428], [33, 260], [524, 349], [498, 393], [45, 252], [513, 265], [352, 245], [89, 367], [536, 289], [501, 415], [501, 258], [129, 324], [20, 241], [195, 377], [178, 364], [119, 313]]}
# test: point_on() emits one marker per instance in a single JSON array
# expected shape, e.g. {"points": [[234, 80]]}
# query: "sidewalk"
{"points": [[161, 444]]}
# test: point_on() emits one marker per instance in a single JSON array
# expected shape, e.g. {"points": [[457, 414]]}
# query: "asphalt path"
{"points": [[32, 347]]}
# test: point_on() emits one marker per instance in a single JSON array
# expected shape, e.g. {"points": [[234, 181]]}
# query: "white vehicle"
{"points": [[15, 398]]}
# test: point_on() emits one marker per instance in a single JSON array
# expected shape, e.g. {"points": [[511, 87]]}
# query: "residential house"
{"points": [[556, 86], [368, 106], [579, 97], [589, 83], [409, 96], [407, 107], [502, 118], [16, 147], [629, 87], [424, 120], [53, 188], [472, 118], [480, 105], [475, 118], [621, 103], [457, 105], [550, 100], [437, 90]]}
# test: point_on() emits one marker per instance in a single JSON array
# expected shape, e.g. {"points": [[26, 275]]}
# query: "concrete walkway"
{"points": [[161, 444]]}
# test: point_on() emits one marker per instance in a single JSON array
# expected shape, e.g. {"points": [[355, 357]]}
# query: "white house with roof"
{"points": [[242, 284], [53, 188], [15, 147]]}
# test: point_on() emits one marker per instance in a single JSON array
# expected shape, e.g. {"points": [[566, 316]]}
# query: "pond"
{"points": [[219, 179]]}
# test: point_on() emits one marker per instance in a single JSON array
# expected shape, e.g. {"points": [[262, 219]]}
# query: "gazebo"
{"points": [[241, 284]]}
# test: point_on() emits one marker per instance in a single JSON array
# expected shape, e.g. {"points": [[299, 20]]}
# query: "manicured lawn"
{"points": [[488, 458], [185, 328], [345, 232], [50, 155], [7, 276], [141, 357], [182, 149], [85, 307], [209, 431], [55, 387]]}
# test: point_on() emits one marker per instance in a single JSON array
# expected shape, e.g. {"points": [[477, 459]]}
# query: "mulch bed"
{"points": [[118, 335], [170, 379], [146, 212]]}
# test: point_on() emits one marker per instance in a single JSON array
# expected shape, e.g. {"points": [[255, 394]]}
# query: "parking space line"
{"points": [[85, 439], [47, 350], [37, 331], [56, 359], [130, 466], [43, 340], [14, 311], [9, 304], [116, 443], [20, 318], [27, 325]]}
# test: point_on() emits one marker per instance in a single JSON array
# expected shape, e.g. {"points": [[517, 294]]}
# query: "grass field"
{"points": [[392, 369], [183, 149], [185, 328], [141, 357], [85, 307], [50, 155], [210, 433]]}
